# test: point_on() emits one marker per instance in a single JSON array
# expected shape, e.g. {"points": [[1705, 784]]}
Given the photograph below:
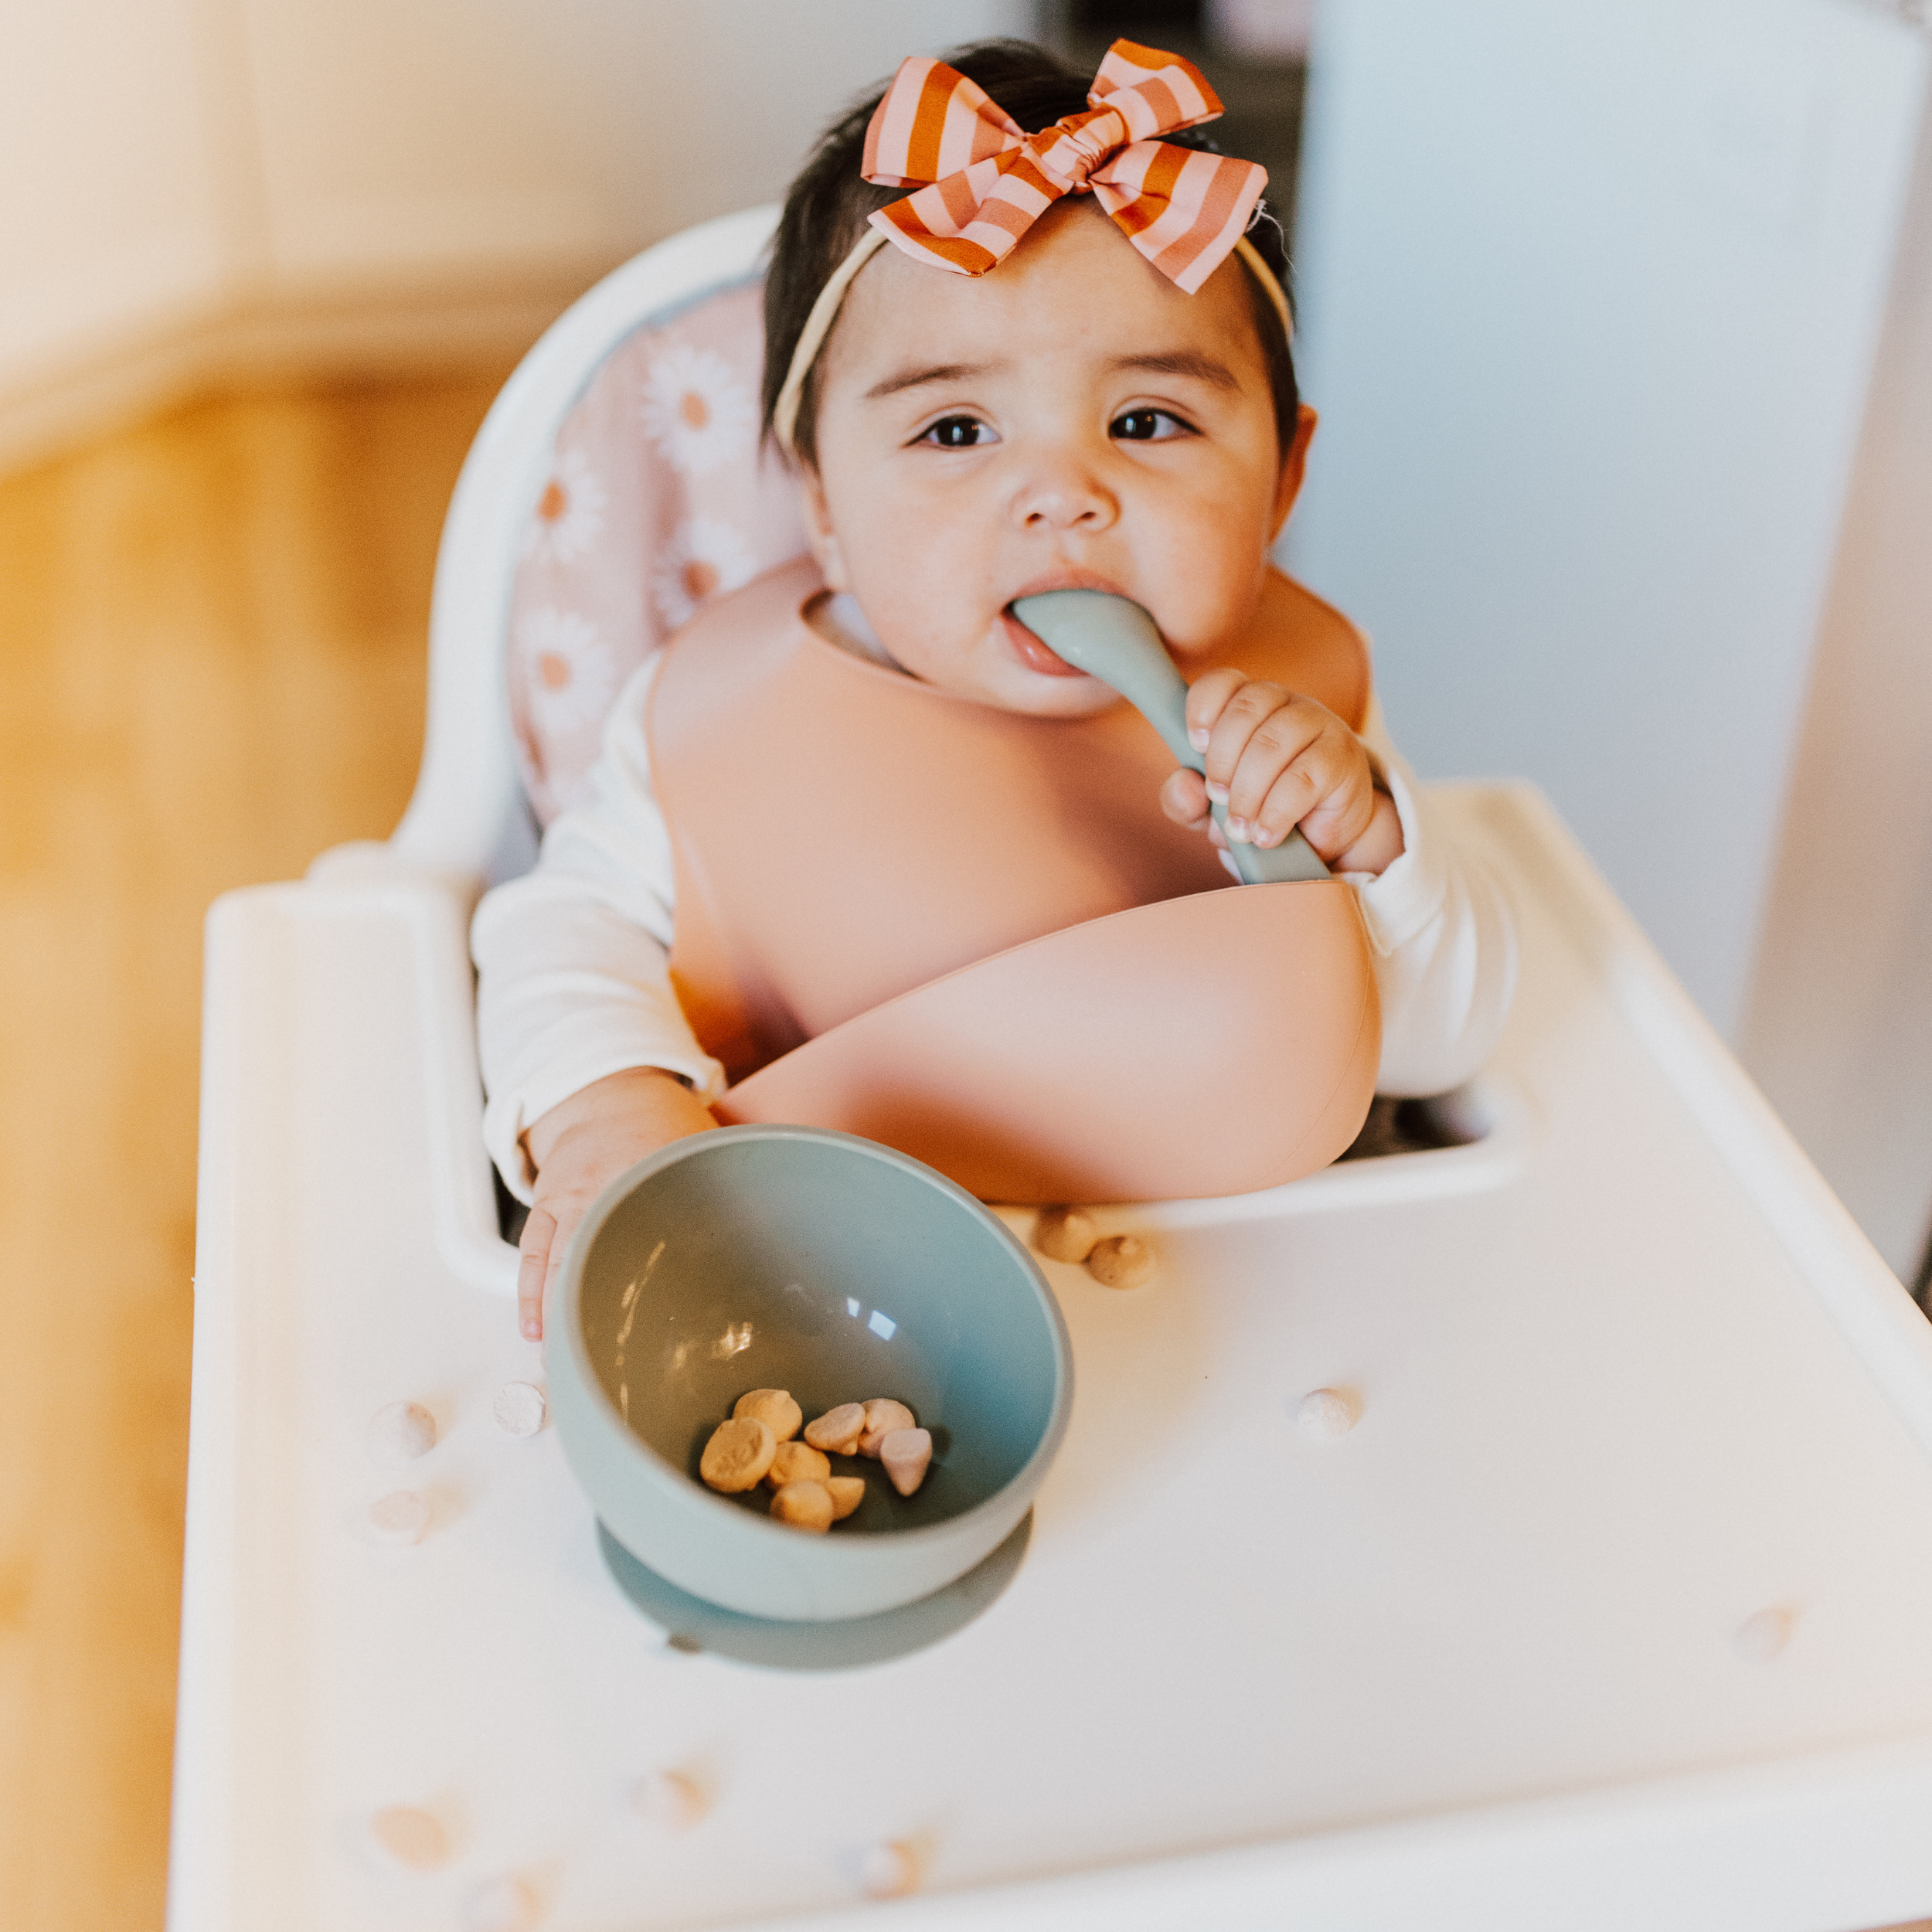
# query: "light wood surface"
{"points": [[212, 641], [211, 667]]}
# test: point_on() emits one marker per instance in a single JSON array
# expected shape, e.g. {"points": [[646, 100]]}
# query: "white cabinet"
{"points": [[1591, 301], [1838, 1026]]}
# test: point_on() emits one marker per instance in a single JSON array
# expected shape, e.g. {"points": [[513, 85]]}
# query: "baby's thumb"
{"points": [[1184, 798], [534, 1251]]}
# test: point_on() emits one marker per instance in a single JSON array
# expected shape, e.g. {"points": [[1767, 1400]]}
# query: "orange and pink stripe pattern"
{"points": [[982, 180]]}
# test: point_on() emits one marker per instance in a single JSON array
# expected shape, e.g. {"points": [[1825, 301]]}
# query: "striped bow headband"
{"points": [[982, 181]]}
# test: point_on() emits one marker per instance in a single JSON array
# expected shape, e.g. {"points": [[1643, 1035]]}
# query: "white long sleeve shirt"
{"points": [[574, 958]]}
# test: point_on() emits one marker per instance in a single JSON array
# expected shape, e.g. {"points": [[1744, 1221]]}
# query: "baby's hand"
{"points": [[1277, 760], [576, 1148]]}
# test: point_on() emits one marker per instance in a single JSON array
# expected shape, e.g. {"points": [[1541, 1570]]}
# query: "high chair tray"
{"points": [[1628, 1376]]}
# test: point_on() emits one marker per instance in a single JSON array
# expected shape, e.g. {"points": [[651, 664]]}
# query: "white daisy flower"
{"points": [[697, 409], [571, 675], [705, 556], [569, 516]]}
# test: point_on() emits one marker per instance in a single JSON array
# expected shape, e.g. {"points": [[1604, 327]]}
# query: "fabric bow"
{"points": [[983, 181]]}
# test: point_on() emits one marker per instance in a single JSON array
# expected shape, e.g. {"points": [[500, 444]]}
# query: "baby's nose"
{"points": [[1065, 495]]}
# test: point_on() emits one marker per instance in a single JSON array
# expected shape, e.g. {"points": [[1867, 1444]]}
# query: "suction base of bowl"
{"points": [[692, 1624]]}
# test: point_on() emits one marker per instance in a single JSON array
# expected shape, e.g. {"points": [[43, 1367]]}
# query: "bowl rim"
{"points": [[1026, 1478]]}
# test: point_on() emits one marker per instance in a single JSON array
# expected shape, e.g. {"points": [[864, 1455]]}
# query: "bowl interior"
{"points": [[795, 1258]]}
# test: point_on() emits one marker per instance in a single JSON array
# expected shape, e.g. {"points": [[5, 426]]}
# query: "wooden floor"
{"points": [[211, 642], [211, 667]]}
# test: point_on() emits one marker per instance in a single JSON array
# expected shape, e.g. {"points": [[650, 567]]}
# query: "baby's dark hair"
{"points": [[825, 212]]}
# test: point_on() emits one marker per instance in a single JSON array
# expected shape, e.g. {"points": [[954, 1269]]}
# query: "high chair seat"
{"points": [[1609, 1611]]}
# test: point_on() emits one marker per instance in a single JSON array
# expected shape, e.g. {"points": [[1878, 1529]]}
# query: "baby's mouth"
{"points": [[1033, 654]]}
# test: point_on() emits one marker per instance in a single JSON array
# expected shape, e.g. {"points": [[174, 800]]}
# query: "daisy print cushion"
{"points": [[698, 410], [656, 502], [569, 669], [569, 515], [706, 556]]}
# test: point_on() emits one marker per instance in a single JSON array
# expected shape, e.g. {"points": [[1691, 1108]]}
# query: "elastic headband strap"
{"points": [[1271, 286], [811, 337]]}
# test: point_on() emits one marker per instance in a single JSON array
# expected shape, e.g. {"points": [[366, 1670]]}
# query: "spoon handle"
{"points": [[1113, 639]]}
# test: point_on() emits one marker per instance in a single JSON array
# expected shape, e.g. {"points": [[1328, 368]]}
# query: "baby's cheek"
{"points": [[1205, 602]]}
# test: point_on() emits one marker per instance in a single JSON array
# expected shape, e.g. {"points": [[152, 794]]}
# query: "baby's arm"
{"points": [[1277, 759], [589, 1061], [1438, 920], [1444, 934]]}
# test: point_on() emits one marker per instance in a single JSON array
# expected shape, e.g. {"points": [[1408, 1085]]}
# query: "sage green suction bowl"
{"points": [[793, 1257]]}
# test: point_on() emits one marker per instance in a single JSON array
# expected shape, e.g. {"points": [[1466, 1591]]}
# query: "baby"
{"points": [[981, 401]]}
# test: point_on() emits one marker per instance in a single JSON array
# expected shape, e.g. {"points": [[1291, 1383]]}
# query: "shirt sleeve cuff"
{"points": [[1408, 892]]}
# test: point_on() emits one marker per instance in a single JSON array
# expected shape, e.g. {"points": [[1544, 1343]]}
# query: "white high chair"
{"points": [[1609, 1612]]}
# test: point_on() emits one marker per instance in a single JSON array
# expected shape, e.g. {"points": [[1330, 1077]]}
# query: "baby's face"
{"points": [[1071, 420]]}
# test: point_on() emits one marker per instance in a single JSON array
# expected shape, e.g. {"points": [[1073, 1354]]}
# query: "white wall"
{"points": [[114, 218], [191, 184], [1839, 1029], [399, 137], [1590, 296]]}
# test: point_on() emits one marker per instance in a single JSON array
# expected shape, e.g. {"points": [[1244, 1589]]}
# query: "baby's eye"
{"points": [[957, 433], [1147, 425]]}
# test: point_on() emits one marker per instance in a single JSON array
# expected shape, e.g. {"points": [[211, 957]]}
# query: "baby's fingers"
{"points": [[1207, 698], [1327, 788], [1339, 814], [533, 1269]]}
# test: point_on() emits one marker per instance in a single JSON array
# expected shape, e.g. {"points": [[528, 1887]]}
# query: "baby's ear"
{"points": [[1294, 464], [819, 532]]}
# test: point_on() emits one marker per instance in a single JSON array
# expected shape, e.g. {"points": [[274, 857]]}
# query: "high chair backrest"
{"points": [[616, 484]]}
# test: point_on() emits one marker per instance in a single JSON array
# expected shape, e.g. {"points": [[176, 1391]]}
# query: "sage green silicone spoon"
{"points": [[1112, 639]]}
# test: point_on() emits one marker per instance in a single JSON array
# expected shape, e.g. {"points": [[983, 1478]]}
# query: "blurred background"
{"points": [[1619, 321]]}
